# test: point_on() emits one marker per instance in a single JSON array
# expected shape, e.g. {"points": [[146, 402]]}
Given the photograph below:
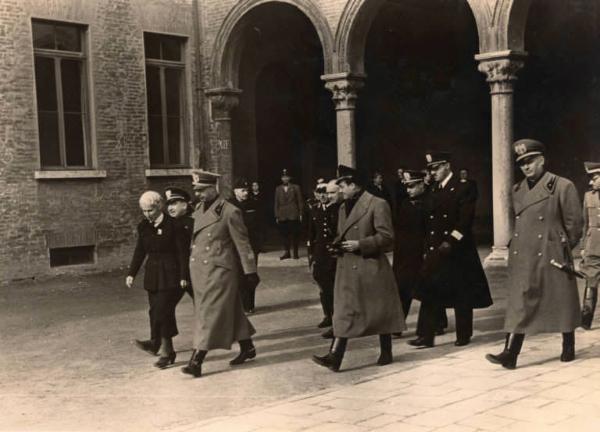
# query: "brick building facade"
{"points": [[102, 99]]}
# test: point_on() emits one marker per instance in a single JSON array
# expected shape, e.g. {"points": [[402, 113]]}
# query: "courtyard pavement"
{"points": [[68, 363]]}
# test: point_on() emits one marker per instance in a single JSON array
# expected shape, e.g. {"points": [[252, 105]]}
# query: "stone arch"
{"points": [[229, 41], [500, 24]]}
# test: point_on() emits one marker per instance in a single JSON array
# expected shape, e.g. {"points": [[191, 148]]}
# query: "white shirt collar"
{"points": [[446, 180], [159, 220]]}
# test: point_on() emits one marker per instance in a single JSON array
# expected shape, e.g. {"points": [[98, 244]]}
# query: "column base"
{"points": [[498, 257]]}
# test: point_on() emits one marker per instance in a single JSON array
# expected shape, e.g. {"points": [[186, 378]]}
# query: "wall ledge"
{"points": [[168, 172], [68, 174]]}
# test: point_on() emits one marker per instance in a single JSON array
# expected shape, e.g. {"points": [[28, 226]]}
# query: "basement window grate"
{"points": [[66, 256]]}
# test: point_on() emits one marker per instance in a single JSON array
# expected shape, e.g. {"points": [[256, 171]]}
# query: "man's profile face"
{"points": [[206, 194], [348, 189], [596, 182], [400, 173], [241, 194], [415, 189], [378, 180], [440, 171], [177, 208]]}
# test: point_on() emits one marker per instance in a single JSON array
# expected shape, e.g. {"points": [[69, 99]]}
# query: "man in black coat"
{"points": [[452, 272], [322, 225], [251, 216]]}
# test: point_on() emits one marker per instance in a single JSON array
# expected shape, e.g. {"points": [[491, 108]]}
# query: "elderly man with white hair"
{"points": [[161, 241]]}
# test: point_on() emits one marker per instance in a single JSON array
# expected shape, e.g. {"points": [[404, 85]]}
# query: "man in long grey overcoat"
{"points": [[541, 297], [220, 257], [366, 300]]}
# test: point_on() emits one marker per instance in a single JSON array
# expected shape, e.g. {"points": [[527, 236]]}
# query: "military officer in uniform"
{"points": [[548, 222], [452, 273], [322, 225], [288, 213], [251, 216], [590, 266], [221, 256], [366, 300]]}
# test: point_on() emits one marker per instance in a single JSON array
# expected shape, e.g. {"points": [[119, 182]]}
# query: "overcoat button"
{"points": [[192, 259], [193, 246], [516, 234], [205, 262], [541, 218], [207, 247], [445, 232], [432, 232], [515, 252], [355, 227], [431, 217], [445, 215], [517, 217], [430, 247], [208, 234], [539, 254], [539, 236], [354, 267]]}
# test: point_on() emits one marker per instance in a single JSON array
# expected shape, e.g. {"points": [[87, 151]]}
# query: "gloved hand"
{"points": [[445, 248], [252, 279]]}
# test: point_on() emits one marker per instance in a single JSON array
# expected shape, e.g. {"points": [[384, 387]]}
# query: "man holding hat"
{"points": [[322, 225], [241, 199], [590, 266], [366, 300], [548, 222], [221, 256], [288, 213], [452, 273]]}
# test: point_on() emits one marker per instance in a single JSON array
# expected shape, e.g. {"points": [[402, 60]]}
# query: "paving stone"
{"points": [[565, 392], [439, 418], [403, 427], [487, 421], [380, 420], [336, 427], [455, 428], [345, 416]]}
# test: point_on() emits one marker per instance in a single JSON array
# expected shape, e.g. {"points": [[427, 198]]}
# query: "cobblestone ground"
{"points": [[68, 363]]}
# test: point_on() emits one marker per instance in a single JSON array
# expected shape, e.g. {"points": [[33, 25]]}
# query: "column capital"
{"points": [[223, 100], [501, 69], [344, 87]]}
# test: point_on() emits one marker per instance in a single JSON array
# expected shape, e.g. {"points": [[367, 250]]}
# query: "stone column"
{"points": [[222, 103], [344, 87], [500, 69]]}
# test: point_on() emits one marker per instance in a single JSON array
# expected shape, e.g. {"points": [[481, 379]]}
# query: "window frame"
{"points": [[185, 133], [57, 56]]}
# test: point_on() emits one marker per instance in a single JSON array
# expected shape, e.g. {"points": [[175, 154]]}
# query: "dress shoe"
{"points": [[327, 334], [163, 362], [567, 355], [421, 342], [147, 346], [330, 361], [194, 366], [244, 355], [285, 256], [462, 342], [326, 322]]}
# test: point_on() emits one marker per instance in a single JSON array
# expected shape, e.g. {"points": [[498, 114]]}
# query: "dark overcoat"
{"points": [[455, 278], [165, 248], [409, 230], [220, 256], [548, 221], [366, 300]]}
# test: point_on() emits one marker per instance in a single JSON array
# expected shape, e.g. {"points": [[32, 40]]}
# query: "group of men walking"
{"points": [[350, 231]]}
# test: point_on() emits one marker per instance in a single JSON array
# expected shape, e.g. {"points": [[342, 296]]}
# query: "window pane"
{"points": [[43, 35], [155, 136], [174, 125], [45, 84], [171, 48], [152, 45], [71, 85], [74, 144], [153, 90], [49, 148], [68, 38], [173, 90]]}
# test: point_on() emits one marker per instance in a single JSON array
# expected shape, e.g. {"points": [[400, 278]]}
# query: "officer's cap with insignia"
{"points": [[321, 185], [241, 183], [525, 148], [202, 179], [592, 168], [285, 173], [435, 158], [348, 174], [412, 177], [173, 194]]}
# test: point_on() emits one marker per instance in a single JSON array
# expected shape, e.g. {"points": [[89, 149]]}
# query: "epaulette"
{"points": [[219, 208], [551, 183]]}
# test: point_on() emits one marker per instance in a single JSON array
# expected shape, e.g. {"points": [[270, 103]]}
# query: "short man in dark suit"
{"points": [[288, 213]]}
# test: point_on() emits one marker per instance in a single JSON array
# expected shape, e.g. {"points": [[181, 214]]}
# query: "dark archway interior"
{"points": [[286, 117], [424, 92], [557, 95]]}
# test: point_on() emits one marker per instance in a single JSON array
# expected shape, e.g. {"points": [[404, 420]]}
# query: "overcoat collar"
{"points": [[358, 211], [525, 197], [202, 219]]}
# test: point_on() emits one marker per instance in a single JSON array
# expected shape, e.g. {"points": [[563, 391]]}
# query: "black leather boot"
{"points": [[385, 343], [194, 366], [589, 306], [568, 347], [333, 359], [512, 348], [247, 352]]}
